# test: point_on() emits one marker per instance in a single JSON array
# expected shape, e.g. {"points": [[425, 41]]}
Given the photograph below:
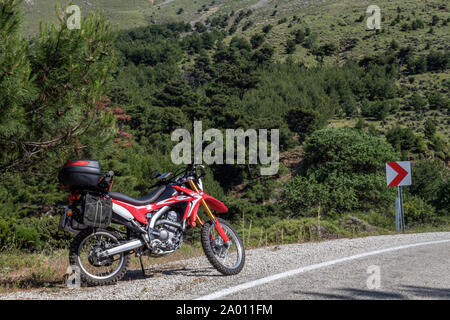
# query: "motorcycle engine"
{"points": [[169, 237]]}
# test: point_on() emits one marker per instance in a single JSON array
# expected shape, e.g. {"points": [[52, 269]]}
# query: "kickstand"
{"points": [[142, 266]]}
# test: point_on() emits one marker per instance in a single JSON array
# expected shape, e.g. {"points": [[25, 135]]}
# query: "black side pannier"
{"points": [[97, 211], [80, 174]]}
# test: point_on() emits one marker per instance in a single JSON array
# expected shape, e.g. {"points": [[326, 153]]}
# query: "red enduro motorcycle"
{"points": [[153, 225]]}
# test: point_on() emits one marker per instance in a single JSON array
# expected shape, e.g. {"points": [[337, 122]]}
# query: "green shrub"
{"points": [[26, 237], [267, 28], [304, 121], [46, 229], [417, 211], [385, 220], [338, 193], [290, 46], [310, 41], [256, 40], [346, 151], [442, 201], [31, 234], [343, 170], [377, 109], [418, 102], [403, 139], [437, 101], [429, 128], [438, 61], [428, 178], [417, 24], [302, 196], [6, 233]]}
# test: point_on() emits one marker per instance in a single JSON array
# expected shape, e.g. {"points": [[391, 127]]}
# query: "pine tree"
{"points": [[53, 90], [16, 87]]}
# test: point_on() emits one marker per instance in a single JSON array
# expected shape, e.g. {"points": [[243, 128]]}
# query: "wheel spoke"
{"points": [[91, 264], [226, 255]]}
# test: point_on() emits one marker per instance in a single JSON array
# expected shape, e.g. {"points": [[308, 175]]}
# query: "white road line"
{"points": [[289, 273]]}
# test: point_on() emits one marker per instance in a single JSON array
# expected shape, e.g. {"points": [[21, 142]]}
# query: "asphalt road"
{"points": [[410, 266], [421, 272]]}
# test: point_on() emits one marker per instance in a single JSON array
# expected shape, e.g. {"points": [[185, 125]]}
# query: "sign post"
{"points": [[398, 174], [397, 213], [402, 215]]}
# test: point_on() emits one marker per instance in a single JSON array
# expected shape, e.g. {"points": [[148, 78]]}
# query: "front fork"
{"points": [[199, 221]]}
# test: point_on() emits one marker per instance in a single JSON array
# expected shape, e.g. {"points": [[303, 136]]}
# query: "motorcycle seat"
{"points": [[142, 201]]}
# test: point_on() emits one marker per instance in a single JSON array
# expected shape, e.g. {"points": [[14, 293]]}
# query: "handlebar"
{"points": [[188, 173], [192, 170]]}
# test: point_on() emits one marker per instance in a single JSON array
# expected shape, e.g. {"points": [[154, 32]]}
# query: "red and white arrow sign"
{"points": [[398, 173]]}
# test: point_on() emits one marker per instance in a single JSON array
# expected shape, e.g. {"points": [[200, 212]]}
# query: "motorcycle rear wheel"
{"points": [[91, 270], [217, 252]]}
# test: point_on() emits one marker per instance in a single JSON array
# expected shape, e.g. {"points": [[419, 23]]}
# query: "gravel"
{"points": [[195, 277]]}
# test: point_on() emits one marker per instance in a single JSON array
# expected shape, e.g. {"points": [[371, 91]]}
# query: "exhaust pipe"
{"points": [[134, 244], [156, 216]]}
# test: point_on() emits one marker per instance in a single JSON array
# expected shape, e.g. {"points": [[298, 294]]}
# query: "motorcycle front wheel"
{"points": [[227, 259], [92, 270]]}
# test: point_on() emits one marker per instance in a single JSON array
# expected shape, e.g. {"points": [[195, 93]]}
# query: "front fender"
{"points": [[215, 204]]}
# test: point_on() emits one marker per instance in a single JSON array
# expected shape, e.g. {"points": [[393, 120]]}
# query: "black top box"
{"points": [[80, 174]]}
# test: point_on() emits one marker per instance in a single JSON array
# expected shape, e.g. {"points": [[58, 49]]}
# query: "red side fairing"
{"points": [[212, 202], [192, 209]]}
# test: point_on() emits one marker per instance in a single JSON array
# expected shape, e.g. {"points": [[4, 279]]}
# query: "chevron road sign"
{"points": [[398, 173]]}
